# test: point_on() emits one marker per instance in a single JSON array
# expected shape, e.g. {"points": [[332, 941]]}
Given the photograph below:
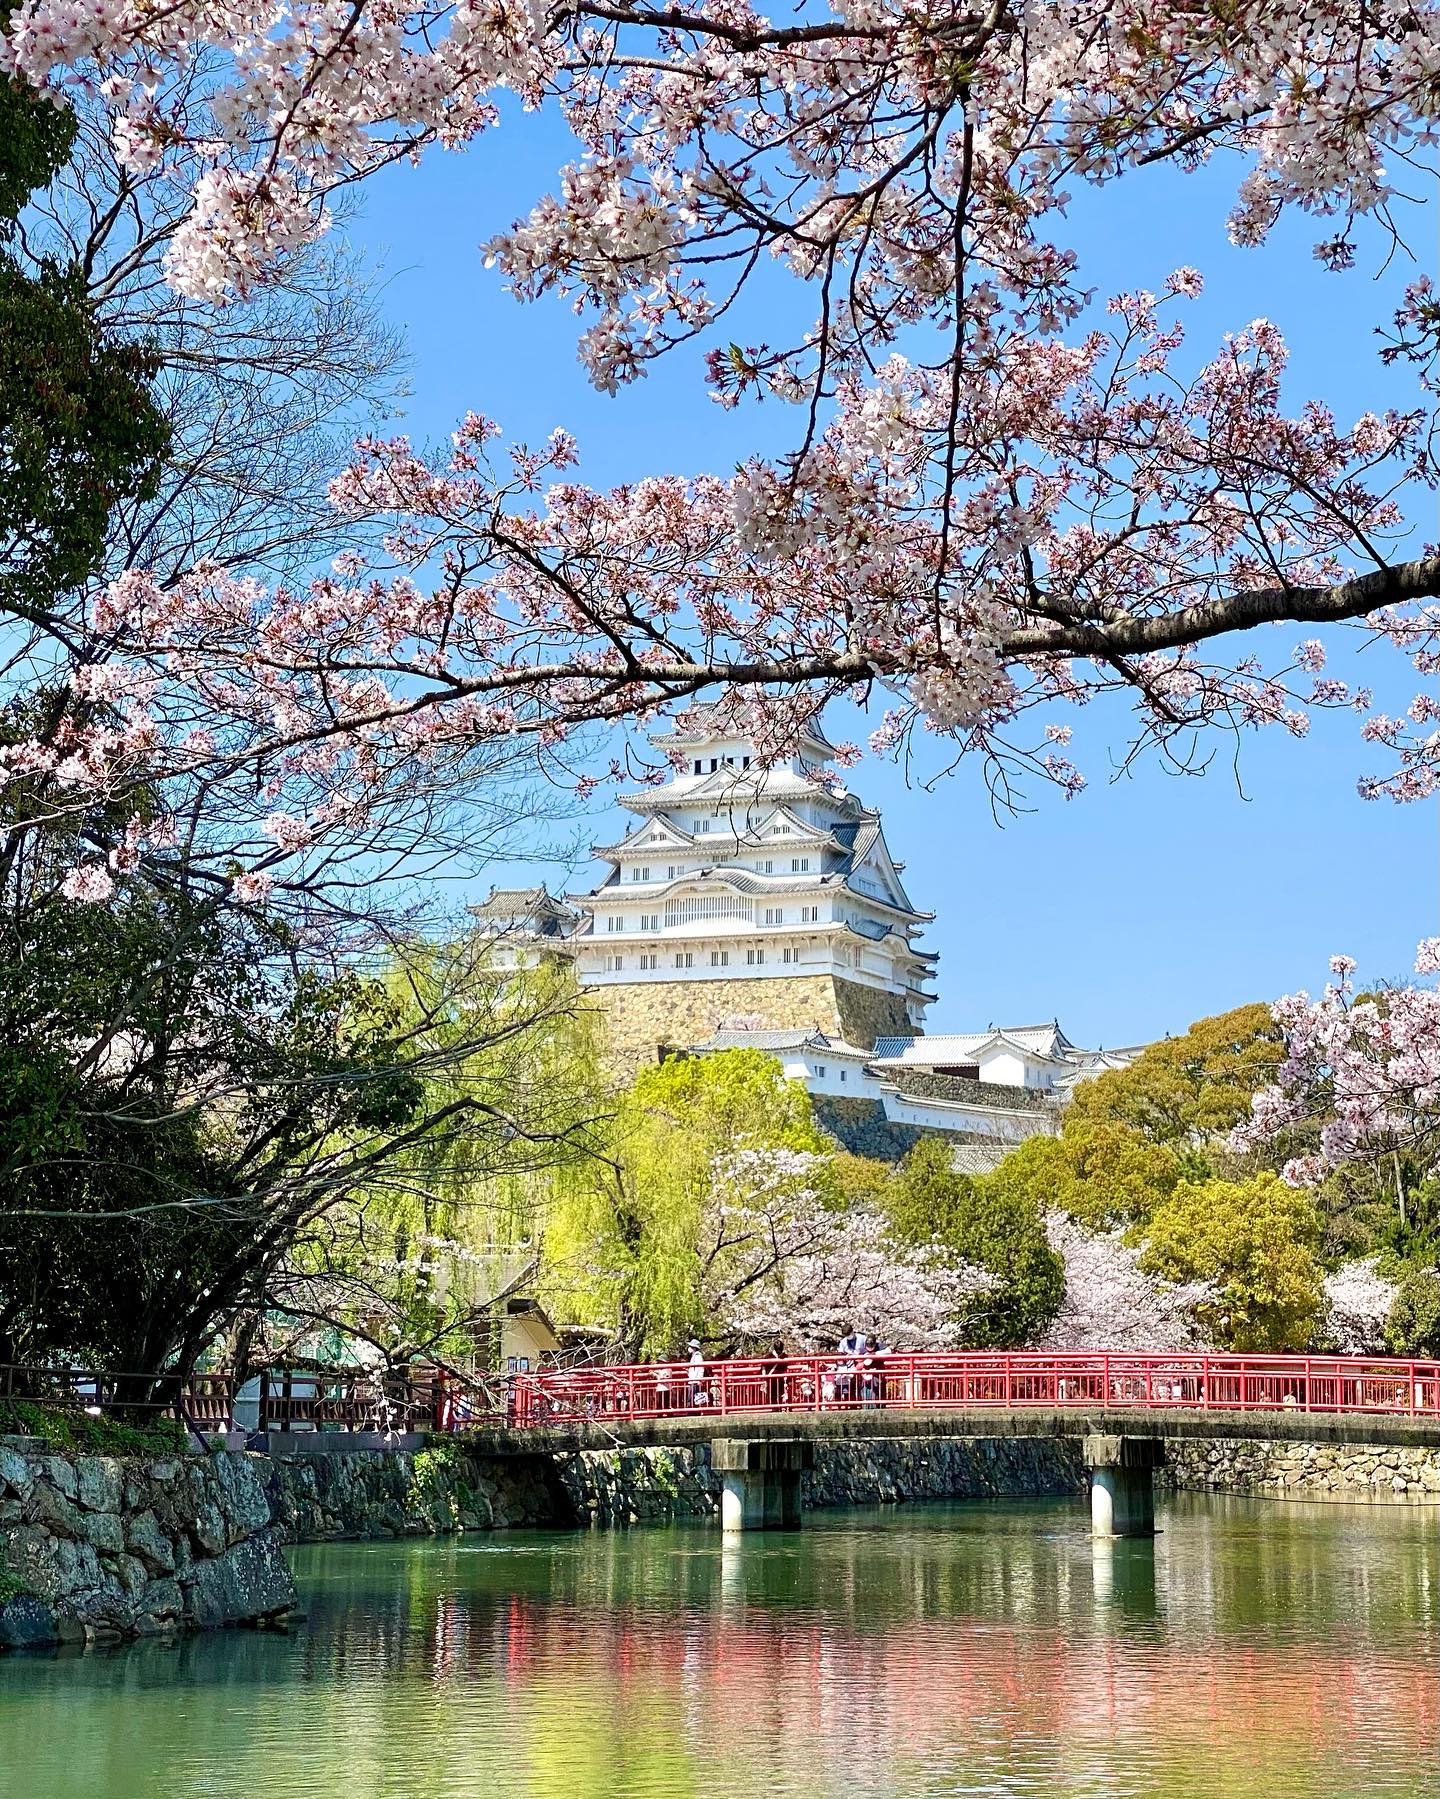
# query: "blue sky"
{"points": [[1149, 900]]}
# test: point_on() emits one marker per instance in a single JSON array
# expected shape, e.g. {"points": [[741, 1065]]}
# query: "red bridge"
{"points": [[763, 1416], [1081, 1381]]}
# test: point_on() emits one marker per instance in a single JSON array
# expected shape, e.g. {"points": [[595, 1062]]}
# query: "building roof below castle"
{"points": [[1045, 1043], [534, 910], [802, 1038]]}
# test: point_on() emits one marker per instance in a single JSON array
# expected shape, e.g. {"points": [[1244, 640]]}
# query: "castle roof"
{"points": [[533, 909], [735, 786]]}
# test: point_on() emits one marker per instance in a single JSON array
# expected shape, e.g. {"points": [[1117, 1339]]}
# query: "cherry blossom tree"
{"points": [[1368, 1064], [1358, 1300], [1109, 1303], [779, 1259], [998, 505]]}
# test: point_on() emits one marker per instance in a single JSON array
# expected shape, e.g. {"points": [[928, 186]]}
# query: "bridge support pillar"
{"points": [[760, 1481], [1122, 1484]]}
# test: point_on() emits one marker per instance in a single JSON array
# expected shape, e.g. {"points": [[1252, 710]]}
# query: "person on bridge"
{"points": [[774, 1372], [699, 1394], [852, 1345], [870, 1372]]}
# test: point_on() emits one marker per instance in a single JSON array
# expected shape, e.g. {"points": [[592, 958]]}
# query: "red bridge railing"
{"points": [[971, 1382]]}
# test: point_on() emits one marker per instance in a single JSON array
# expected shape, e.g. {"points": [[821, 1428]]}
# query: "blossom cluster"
{"points": [[1368, 1063], [1110, 1303], [796, 1266]]}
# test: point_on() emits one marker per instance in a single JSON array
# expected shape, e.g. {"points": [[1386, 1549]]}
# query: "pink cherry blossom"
{"points": [[1109, 1303], [1369, 1066], [780, 1259]]}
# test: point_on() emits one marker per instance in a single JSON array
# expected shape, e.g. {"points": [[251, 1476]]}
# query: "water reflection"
{"points": [[1251, 1649]]}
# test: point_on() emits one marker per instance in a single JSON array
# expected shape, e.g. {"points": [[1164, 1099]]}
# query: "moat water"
{"points": [[1254, 1649]]}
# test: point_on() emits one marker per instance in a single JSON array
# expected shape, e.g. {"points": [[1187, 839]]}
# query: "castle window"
{"points": [[809, 915], [684, 959], [769, 866], [704, 825], [842, 1074], [746, 762], [820, 1070], [790, 955], [800, 865], [719, 958], [714, 763], [649, 962], [754, 956], [614, 963], [774, 915], [670, 872]]}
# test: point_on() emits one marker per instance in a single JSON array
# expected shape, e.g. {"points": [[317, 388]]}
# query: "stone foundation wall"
{"points": [[95, 1548], [628, 1485], [882, 1471], [641, 1016], [625, 1486], [1335, 1471], [376, 1493], [866, 1013], [860, 1125]]}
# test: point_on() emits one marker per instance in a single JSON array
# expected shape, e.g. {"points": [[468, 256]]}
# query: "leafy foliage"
{"points": [[625, 1247], [993, 1222], [78, 429], [1185, 1090], [172, 1098], [1254, 1241], [1100, 1173]]}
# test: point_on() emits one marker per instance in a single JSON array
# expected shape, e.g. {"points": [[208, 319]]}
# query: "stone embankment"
{"points": [[430, 1492], [94, 1548], [1326, 1471]]}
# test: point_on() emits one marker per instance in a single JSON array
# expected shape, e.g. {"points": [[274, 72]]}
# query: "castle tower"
{"points": [[762, 894]]}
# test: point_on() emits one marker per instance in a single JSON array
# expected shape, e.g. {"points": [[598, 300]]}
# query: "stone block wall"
{"points": [[1333, 1471], [883, 1471], [641, 1016], [860, 1125], [380, 1493], [95, 1548], [628, 1485]]}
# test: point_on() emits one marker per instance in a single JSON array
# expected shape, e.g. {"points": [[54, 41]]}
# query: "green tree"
{"points": [[1413, 1328], [78, 429], [993, 1222], [1187, 1090], [175, 1103], [1102, 1173], [1254, 1241], [417, 1262], [623, 1247]]}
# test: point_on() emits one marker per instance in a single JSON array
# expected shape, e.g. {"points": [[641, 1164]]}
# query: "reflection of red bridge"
{"points": [[1078, 1382]]}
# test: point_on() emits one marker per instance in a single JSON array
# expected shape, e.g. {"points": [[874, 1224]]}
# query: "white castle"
{"points": [[763, 874], [756, 902]]}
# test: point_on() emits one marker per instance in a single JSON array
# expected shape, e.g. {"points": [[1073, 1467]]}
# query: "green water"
{"points": [[1255, 1648]]}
